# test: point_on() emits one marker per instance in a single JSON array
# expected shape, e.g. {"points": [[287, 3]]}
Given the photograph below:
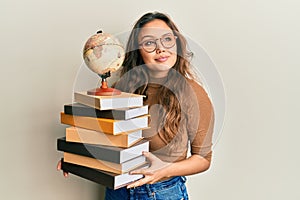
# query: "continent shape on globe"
{"points": [[103, 53]]}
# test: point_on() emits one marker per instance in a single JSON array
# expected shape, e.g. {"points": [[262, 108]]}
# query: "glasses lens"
{"points": [[168, 41], [149, 45]]}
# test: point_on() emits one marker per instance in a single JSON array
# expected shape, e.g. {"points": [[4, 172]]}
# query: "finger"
{"points": [[66, 174], [58, 167], [141, 171], [139, 182]]}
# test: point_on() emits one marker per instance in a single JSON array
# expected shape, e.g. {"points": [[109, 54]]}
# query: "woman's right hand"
{"points": [[59, 168]]}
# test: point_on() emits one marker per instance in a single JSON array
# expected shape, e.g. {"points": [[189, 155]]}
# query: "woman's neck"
{"points": [[158, 80], [158, 74]]}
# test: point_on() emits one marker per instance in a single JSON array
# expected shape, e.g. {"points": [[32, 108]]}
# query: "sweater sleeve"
{"points": [[200, 122]]}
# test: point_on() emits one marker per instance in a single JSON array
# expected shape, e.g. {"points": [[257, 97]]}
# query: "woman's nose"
{"points": [[159, 47]]}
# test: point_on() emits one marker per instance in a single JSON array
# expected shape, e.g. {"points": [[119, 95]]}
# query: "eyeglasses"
{"points": [[168, 41]]}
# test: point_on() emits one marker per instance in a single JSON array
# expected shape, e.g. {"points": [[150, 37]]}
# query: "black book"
{"points": [[107, 179], [118, 114], [102, 152]]}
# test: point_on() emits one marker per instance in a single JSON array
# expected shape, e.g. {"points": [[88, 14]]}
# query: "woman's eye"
{"points": [[167, 39], [149, 43]]}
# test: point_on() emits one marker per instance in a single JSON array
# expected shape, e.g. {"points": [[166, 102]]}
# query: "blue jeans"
{"points": [[171, 189]]}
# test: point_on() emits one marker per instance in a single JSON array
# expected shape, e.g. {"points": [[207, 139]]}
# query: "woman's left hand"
{"points": [[154, 173]]}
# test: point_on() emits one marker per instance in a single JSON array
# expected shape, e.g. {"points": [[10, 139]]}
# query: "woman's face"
{"points": [[162, 58]]}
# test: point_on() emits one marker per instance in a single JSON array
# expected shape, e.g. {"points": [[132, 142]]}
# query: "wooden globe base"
{"points": [[104, 90]]}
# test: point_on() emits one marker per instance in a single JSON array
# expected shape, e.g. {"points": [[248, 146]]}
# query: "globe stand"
{"points": [[104, 90]]}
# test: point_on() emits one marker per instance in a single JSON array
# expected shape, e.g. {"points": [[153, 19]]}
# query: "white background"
{"points": [[254, 44]]}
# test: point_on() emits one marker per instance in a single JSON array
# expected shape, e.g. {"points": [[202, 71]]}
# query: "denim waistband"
{"points": [[150, 188], [167, 183]]}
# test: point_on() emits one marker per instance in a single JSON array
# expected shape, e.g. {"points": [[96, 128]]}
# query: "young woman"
{"points": [[157, 65]]}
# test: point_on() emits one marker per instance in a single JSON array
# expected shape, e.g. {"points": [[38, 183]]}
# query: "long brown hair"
{"points": [[135, 77]]}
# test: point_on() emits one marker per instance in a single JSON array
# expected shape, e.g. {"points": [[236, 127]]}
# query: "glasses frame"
{"points": [[160, 39]]}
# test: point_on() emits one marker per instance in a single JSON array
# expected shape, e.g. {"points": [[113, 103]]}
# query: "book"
{"points": [[102, 152], [118, 168], [120, 113], [81, 135], [124, 100], [109, 126], [107, 179]]}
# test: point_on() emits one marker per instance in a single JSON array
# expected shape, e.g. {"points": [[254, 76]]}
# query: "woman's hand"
{"points": [[59, 168], [154, 173]]}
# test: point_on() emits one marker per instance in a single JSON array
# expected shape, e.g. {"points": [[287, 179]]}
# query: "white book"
{"points": [[123, 100]]}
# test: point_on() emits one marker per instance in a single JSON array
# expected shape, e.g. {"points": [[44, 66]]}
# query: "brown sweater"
{"points": [[195, 129]]}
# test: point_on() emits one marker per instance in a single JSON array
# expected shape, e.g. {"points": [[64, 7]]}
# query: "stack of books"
{"points": [[104, 140]]}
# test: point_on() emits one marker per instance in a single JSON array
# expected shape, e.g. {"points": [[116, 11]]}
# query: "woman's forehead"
{"points": [[156, 27], [154, 32]]}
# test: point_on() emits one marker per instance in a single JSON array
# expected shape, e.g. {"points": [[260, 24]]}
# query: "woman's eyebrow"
{"points": [[147, 36], [151, 36]]}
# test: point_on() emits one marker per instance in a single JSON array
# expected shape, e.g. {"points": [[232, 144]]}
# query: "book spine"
{"points": [[87, 100], [81, 135], [94, 151], [94, 175], [102, 152], [92, 112], [93, 163], [124, 100], [104, 165], [107, 179], [91, 123]]}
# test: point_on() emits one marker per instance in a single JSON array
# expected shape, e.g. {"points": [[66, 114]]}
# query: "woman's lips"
{"points": [[162, 59]]}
